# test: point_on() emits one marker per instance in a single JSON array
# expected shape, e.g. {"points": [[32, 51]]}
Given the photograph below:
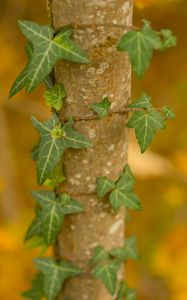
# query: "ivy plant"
{"points": [[44, 48]]}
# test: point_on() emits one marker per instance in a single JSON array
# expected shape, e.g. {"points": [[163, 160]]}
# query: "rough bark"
{"points": [[108, 74]]}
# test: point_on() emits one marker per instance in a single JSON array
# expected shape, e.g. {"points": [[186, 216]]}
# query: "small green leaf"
{"points": [[56, 177], [168, 113], [142, 102], [55, 274], [146, 125], [101, 108], [125, 293], [37, 291], [54, 97], [104, 186], [122, 197], [99, 255], [107, 273], [128, 251], [35, 150], [53, 210], [56, 137], [140, 45], [168, 39], [69, 205], [36, 226], [126, 179], [48, 50], [51, 215]]}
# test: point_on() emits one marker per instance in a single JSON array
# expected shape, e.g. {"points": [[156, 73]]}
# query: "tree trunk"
{"points": [[108, 74]]}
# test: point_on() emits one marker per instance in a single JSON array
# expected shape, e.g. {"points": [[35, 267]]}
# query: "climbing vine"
{"points": [[44, 48]]}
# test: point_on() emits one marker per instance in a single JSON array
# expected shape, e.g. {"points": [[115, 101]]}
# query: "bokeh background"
{"points": [[161, 273]]}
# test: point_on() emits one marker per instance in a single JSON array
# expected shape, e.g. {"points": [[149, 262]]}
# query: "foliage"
{"points": [[107, 264], [44, 48], [122, 194], [147, 121], [55, 274], [50, 214], [55, 138], [101, 108], [141, 43], [47, 51]]}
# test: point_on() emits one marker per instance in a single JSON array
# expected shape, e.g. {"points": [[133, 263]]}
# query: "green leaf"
{"points": [[99, 255], [37, 291], [54, 97], [168, 39], [55, 274], [74, 139], [122, 197], [104, 186], [56, 137], [125, 293], [128, 251], [69, 205], [36, 226], [53, 211], [126, 179], [142, 102], [101, 108], [168, 113], [48, 50], [56, 177], [35, 150], [146, 125], [21, 80], [107, 273], [140, 45], [51, 215]]}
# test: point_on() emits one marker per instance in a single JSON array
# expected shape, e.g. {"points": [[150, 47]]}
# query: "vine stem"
{"points": [[124, 111], [94, 26]]}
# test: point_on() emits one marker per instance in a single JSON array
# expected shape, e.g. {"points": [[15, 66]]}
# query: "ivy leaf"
{"points": [[50, 148], [104, 186], [69, 205], [99, 255], [146, 125], [48, 50], [35, 229], [37, 291], [55, 138], [107, 273], [56, 177], [125, 292], [126, 179], [168, 113], [53, 211], [101, 108], [168, 40], [51, 215], [55, 273], [35, 150], [128, 251], [74, 139], [54, 96], [140, 45], [142, 102], [123, 195], [21, 80]]}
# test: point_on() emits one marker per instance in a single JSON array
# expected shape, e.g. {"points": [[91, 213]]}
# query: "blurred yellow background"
{"points": [[161, 273]]}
